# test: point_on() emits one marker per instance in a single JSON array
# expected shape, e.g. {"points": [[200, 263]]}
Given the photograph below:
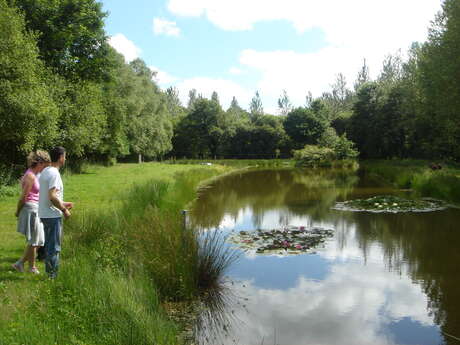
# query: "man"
{"points": [[51, 208]]}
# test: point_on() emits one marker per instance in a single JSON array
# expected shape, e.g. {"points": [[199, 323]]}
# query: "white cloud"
{"points": [[165, 27], [299, 73], [337, 17], [353, 30], [162, 77], [125, 47], [226, 89], [235, 71], [352, 305]]}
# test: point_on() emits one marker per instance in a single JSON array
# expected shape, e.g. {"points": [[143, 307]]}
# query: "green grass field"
{"points": [[112, 278]]}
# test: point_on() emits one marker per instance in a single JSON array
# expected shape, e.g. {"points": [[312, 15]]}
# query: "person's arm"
{"points": [[28, 183], [58, 203]]}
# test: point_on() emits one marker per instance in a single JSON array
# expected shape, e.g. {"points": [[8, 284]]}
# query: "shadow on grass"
{"points": [[8, 259], [10, 275]]}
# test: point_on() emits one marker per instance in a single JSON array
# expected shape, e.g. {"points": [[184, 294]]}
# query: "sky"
{"points": [[239, 47]]}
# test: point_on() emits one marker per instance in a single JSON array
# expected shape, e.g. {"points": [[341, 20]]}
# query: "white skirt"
{"points": [[30, 225]]}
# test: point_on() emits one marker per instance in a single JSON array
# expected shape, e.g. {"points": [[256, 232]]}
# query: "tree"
{"points": [[304, 127], [174, 105], [308, 100], [215, 97], [198, 133], [284, 104], [192, 97], [28, 114], [363, 76], [391, 69], [439, 68], [149, 125], [255, 107], [71, 36]]}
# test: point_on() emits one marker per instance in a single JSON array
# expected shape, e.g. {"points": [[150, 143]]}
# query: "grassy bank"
{"points": [[125, 253], [419, 176]]}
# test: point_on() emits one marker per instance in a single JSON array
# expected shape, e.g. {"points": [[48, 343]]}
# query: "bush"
{"points": [[342, 154], [313, 155]]}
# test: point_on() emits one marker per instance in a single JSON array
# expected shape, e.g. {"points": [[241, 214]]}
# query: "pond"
{"points": [[381, 278]]}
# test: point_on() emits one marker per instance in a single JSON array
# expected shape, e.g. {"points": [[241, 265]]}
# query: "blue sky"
{"points": [[241, 46]]}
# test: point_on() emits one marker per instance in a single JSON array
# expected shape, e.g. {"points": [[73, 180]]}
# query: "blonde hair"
{"points": [[36, 157]]}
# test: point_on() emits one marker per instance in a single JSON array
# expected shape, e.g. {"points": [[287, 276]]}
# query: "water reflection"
{"points": [[383, 279]]}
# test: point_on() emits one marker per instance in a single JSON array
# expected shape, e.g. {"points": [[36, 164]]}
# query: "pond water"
{"points": [[381, 279]]}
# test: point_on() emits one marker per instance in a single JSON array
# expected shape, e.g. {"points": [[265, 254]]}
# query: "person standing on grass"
{"points": [[51, 208], [29, 223]]}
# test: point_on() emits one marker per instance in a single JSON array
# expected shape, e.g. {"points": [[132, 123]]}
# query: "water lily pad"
{"points": [[285, 241], [390, 204]]}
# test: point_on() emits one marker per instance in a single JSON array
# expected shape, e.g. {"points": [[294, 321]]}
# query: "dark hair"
{"points": [[56, 153]]}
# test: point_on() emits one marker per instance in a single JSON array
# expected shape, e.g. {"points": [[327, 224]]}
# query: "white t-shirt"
{"points": [[50, 178]]}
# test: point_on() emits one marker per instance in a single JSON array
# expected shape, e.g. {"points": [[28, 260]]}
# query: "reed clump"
{"points": [[418, 176]]}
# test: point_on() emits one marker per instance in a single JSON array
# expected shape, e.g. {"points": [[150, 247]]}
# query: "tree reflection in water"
{"points": [[421, 246]]}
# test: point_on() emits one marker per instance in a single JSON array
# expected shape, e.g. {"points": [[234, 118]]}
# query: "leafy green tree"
{"points": [[236, 114], [28, 114], [363, 128], [150, 128], [174, 105], [304, 126], [215, 97], [198, 133], [71, 36], [192, 97], [391, 70], [308, 99], [255, 107], [284, 104], [439, 68], [363, 76]]}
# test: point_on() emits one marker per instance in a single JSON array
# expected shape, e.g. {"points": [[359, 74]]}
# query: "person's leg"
{"points": [[32, 253], [19, 265], [41, 254], [52, 227], [25, 256]]}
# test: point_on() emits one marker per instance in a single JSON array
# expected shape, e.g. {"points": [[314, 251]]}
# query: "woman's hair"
{"points": [[36, 157]]}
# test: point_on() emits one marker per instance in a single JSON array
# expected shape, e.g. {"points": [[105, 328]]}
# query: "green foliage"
{"points": [[312, 155], [304, 126], [441, 184], [83, 118], [148, 126], [255, 107], [343, 148], [198, 133], [71, 38], [28, 114]]}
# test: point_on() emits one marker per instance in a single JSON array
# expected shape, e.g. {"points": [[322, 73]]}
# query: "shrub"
{"points": [[313, 155]]}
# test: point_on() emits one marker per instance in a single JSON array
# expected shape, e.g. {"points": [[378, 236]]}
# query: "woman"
{"points": [[28, 222]]}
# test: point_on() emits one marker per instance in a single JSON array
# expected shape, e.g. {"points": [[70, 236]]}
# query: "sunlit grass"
{"points": [[417, 175], [125, 251]]}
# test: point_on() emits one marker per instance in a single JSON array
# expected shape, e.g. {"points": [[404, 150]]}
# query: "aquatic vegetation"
{"points": [[291, 240], [391, 204]]}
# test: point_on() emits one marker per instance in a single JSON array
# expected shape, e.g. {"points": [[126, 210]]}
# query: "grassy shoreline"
{"points": [[124, 254], [419, 176]]}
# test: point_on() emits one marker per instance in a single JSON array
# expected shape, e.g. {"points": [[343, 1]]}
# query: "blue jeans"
{"points": [[53, 234]]}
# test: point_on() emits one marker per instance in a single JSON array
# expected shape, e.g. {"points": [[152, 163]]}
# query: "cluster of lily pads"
{"points": [[291, 240], [390, 203]]}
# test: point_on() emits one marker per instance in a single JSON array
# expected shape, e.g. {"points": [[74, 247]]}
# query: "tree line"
{"points": [[61, 83]]}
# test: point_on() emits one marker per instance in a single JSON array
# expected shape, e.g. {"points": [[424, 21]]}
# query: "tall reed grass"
{"points": [[417, 175]]}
